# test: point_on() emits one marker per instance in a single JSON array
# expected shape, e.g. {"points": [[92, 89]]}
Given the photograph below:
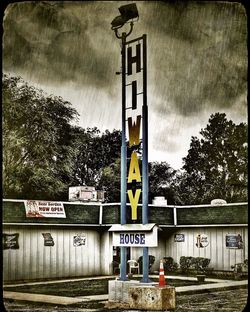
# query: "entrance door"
{"points": [[117, 259]]}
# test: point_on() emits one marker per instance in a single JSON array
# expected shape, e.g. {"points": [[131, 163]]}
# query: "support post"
{"points": [[123, 254], [145, 277]]}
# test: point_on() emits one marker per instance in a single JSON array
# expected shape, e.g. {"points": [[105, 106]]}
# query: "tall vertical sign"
{"points": [[134, 151]]}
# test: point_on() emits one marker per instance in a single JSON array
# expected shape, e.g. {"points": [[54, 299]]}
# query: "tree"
{"points": [[36, 140], [162, 182], [216, 164], [110, 181], [43, 153], [92, 152]]}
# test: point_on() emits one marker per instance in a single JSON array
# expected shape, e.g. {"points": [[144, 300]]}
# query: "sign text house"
{"points": [[135, 235]]}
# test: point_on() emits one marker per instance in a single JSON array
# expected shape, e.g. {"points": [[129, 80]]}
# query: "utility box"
{"points": [[85, 193]]}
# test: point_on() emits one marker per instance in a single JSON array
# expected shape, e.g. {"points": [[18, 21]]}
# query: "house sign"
{"points": [[135, 235]]}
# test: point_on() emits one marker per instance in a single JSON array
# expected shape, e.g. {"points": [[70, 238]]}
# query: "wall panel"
{"points": [[221, 257], [26, 253], [33, 260], [106, 253]]}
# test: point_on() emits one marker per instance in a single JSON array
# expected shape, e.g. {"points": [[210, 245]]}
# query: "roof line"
{"points": [[102, 225], [112, 204], [202, 225], [50, 224]]}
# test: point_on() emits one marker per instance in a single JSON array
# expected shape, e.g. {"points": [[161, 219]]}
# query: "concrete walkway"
{"points": [[215, 286], [210, 287], [41, 298]]}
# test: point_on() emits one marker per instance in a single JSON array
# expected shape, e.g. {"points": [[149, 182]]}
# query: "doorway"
{"points": [[117, 259]]}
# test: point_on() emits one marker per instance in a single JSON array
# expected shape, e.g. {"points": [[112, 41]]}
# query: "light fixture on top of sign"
{"points": [[128, 12]]}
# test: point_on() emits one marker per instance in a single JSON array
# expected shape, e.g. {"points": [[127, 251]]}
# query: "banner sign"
{"points": [[44, 209], [234, 241], [48, 239], [79, 240], [202, 241], [10, 241], [179, 238]]}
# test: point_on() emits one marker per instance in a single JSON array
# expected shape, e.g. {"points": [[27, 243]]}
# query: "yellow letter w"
{"points": [[134, 131]]}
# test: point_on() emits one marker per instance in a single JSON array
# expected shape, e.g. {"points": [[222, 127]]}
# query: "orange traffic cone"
{"points": [[161, 275]]}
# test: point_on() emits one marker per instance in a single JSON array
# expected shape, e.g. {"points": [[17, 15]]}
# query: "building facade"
{"points": [[81, 245]]}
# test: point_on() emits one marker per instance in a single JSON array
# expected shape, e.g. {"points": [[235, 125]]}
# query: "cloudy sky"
{"points": [[197, 63]]}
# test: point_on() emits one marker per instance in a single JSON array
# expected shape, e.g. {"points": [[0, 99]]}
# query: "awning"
{"points": [[132, 227]]}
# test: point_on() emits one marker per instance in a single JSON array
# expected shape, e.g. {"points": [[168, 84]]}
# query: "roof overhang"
{"points": [[133, 227]]}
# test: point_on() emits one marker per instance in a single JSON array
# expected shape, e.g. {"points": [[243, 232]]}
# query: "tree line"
{"points": [[44, 153]]}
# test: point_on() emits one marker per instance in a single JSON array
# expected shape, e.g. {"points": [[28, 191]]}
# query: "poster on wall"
{"points": [[44, 209], [10, 241], [48, 239], [234, 241], [79, 240], [179, 238], [202, 241]]}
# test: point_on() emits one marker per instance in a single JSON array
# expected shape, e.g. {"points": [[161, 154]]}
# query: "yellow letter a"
{"points": [[134, 169], [134, 202], [134, 131]]}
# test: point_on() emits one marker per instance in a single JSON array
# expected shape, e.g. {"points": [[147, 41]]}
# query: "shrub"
{"points": [[169, 264], [185, 263], [200, 264], [239, 267], [151, 260]]}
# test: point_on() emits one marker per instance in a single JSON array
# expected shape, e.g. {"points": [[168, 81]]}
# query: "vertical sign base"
{"points": [[123, 276], [145, 265]]}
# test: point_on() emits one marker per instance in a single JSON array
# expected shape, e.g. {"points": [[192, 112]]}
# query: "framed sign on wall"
{"points": [[10, 241], [79, 240], [202, 241], [48, 239], [179, 238], [234, 241]]}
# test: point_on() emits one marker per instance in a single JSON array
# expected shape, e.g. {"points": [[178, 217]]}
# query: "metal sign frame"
{"points": [[127, 52]]}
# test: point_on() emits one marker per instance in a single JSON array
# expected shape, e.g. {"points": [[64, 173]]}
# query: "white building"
{"points": [[78, 243]]}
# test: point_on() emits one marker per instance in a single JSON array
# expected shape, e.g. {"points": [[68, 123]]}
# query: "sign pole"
{"points": [[130, 12], [145, 278], [123, 159]]}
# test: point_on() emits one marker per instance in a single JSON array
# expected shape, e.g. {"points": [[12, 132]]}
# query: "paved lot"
{"points": [[218, 301]]}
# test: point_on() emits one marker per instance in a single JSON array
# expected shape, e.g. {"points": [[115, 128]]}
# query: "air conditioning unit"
{"points": [[218, 201], [159, 201], [85, 193]]}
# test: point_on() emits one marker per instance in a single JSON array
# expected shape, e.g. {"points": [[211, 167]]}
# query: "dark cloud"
{"points": [[197, 60], [197, 50], [56, 41], [203, 59]]}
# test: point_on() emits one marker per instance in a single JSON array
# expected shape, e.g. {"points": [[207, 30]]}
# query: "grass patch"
{"points": [[67, 289], [84, 287]]}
